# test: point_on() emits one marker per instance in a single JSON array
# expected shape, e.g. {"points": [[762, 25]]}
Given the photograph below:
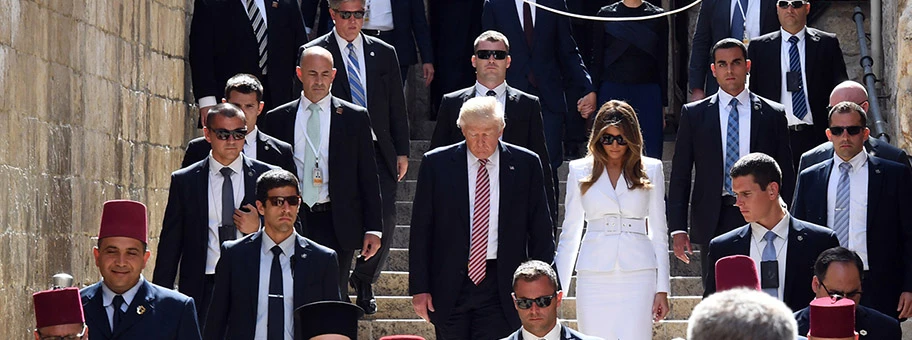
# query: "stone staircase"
{"points": [[396, 316]]}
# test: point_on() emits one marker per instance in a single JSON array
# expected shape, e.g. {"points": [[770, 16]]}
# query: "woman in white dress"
{"points": [[622, 263]]}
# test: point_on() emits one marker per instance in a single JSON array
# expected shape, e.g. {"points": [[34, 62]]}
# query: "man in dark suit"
{"points": [[850, 91], [454, 25], [367, 76], [262, 278], [123, 305], [838, 272], [798, 66], [537, 298], [522, 110], [227, 38], [863, 199], [720, 19], [707, 128], [460, 269], [246, 92], [783, 246], [210, 202], [546, 63], [334, 156], [402, 24]]}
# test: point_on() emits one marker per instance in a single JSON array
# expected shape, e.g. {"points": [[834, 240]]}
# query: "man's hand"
{"points": [[586, 105], [247, 222], [204, 111], [697, 94], [370, 247], [428, 70], [422, 303], [401, 166], [905, 305], [682, 247]]}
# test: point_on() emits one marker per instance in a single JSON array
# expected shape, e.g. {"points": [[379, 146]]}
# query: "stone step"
{"points": [[377, 328]]}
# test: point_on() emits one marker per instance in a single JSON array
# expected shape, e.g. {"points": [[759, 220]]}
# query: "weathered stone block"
{"points": [[30, 30]]}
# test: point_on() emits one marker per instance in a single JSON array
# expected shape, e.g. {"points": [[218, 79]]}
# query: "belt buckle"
{"points": [[613, 223]]}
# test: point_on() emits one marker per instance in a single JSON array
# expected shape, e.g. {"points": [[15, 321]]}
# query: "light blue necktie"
{"points": [[354, 77], [309, 191], [769, 254], [799, 104], [737, 28], [732, 142], [841, 218]]}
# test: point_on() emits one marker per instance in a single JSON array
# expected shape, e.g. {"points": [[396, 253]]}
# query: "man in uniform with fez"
{"points": [[832, 318], [58, 314], [124, 305], [327, 320]]}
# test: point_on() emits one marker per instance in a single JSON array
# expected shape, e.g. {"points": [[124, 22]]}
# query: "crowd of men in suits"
{"points": [[298, 169]]}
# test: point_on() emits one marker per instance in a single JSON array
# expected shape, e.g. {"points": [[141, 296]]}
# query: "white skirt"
{"points": [[616, 305]]}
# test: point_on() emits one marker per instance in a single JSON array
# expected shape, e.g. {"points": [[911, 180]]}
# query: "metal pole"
{"points": [[879, 125]]}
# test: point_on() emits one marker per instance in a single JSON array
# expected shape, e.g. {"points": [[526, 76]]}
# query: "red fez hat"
{"points": [[832, 318], [58, 307], [736, 271], [402, 337], [327, 317], [124, 218]]}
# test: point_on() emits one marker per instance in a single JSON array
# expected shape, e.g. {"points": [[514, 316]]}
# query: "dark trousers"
{"points": [[802, 141], [730, 218], [202, 307], [478, 313], [320, 229], [369, 271], [878, 298], [646, 100]]}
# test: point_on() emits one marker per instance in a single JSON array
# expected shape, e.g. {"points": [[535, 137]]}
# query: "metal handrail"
{"points": [[879, 130]]}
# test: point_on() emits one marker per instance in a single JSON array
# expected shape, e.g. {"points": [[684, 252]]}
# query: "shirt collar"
{"points": [[237, 165], [343, 44], [781, 229], [251, 137], [482, 90], [857, 162], [107, 295], [495, 157], [554, 334], [287, 245], [725, 98], [786, 35], [323, 102]]}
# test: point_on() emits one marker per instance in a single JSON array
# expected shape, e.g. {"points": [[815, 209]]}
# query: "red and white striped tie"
{"points": [[479, 250]]}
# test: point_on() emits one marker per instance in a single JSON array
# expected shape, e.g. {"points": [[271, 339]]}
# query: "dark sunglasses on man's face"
{"points": [[278, 201], [485, 54], [607, 139], [223, 134], [541, 301], [794, 3], [348, 14], [852, 130]]}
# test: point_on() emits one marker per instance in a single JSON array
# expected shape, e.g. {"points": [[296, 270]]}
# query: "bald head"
{"points": [[849, 91], [316, 51], [316, 73]]}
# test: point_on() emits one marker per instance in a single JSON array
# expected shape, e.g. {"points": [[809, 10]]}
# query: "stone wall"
{"points": [[897, 78], [92, 109]]}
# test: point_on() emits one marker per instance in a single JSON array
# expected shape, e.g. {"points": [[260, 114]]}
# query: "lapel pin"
{"points": [[141, 310], [511, 167], [303, 256], [339, 110], [756, 106], [876, 171], [800, 238], [267, 147], [275, 4], [862, 332], [372, 53], [250, 173]]}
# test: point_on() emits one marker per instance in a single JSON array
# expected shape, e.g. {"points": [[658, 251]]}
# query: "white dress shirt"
{"points": [[744, 122], [553, 334], [211, 100], [494, 183], [784, 95], [752, 19], [781, 243], [262, 311], [519, 9], [107, 299], [215, 204], [501, 90], [858, 202], [301, 142], [379, 15], [250, 144]]}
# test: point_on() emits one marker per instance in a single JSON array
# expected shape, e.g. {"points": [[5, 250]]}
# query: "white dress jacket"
{"points": [[604, 208]]}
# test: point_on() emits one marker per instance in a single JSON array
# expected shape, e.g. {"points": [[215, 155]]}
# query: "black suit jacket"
{"points": [[805, 242], [184, 237], [269, 150], [699, 148], [566, 334], [166, 315], [222, 44], [553, 58], [440, 229], [524, 128], [454, 26], [869, 323], [714, 24], [354, 188], [233, 312], [889, 226], [874, 146], [825, 69], [411, 27], [385, 99]]}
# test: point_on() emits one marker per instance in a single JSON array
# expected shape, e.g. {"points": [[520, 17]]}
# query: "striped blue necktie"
{"points": [[354, 77], [737, 25], [732, 143], [259, 29], [841, 216], [799, 104]]}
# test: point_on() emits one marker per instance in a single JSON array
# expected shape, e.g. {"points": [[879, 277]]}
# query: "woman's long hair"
{"points": [[622, 116]]}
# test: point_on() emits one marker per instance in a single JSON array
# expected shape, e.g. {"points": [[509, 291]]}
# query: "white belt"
{"points": [[617, 224]]}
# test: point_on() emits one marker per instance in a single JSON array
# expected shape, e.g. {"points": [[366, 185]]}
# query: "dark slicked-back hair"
{"points": [[532, 270], [848, 107], [272, 179], [837, 254], [226, 110], [763, 167], [246, 84], [728, 43]]}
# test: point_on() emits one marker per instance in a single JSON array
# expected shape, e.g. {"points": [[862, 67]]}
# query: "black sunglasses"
{"points": [[278, 201], [224, 134], [852, 130], [607, 139], [837, 294], [485, 54], [348, 14], [541, 301], [794, 3]]}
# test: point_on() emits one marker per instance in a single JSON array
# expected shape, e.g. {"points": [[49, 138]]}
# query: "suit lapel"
{"points": [[756, 119], [511, 101], [250, 177], [818, 205], [793, 256], [249, 260], [371, 69], [336, 136], [811, 49], [469, 93], [287, 130], [775, 77], [95, 306], [340, 84], [507, 177], [263, 144], [202, 208], [141, 302], [715, 139], [875, 186], [461, 182], [298, 270], [514, 22], [741, 244]]}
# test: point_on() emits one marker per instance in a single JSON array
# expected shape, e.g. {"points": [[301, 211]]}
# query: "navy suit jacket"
{"points": [[269, 150], [440, 230], [233, 311], [874, 146], [699, 148], [354, 188], [166, 314], [889, 226], [869, 323], [184, 237], [411, 26], [805, 242], [566, 334], [553, 57]]}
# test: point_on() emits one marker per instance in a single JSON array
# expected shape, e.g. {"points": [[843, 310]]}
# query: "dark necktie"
{"points": [[529, 30], [491, 93], [118, 312], [227, 231], [275, 325]]}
